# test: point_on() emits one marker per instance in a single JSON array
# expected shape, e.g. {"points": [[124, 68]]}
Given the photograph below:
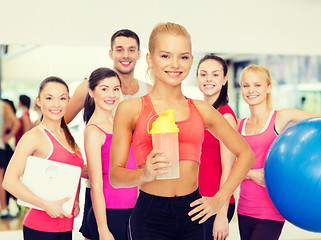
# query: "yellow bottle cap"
{"points": [[164, 124]]}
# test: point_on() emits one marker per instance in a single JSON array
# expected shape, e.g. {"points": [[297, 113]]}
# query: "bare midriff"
{"points": [[185, 184]]}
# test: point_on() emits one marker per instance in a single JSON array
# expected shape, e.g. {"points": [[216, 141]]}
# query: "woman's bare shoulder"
{"points": [[33, 140], [131, 105], [34, 133], [201, 105]]}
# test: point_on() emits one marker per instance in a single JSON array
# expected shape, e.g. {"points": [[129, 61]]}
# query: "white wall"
{"points": [[70, 38], [229, 26]]}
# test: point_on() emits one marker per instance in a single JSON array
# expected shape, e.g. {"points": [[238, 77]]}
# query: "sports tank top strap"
{"points": [[272, 121], [54, 141], [148, 105], [59, 152], [146, 102], [97, 127], [191, 103], [241, 124], [147, 110], [268, 125], [194, 110]]}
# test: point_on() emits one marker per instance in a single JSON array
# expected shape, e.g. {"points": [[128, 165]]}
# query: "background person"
{"points": [[9, 125], [168, 209], [216, 160], [108, 218], [52, 140], [125, 52], [257, 216], [24, 105]]}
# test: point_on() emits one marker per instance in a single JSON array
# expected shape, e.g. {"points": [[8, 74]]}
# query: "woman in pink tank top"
{"points": [[216, 160], [108, 218], [171, 208], [258, 218], [51, 140]]}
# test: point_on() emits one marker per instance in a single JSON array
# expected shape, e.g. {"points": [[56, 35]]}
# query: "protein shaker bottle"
{"points": [[165, 137]]}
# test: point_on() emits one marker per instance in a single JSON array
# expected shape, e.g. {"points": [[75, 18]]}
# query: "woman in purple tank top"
{"points": [[111, 208]]}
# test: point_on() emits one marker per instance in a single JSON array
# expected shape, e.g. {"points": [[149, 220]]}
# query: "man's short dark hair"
{"points": [[25, 100], [124, 33]]}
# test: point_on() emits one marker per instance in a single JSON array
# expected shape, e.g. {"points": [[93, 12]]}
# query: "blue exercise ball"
{"points": [[293, 174]]}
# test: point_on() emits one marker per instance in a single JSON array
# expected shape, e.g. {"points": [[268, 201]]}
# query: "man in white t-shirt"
{"points": [[125, 52]]}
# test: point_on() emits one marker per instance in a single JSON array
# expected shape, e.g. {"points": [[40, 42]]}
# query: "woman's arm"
{"points": [[223, 131], [77, 101], [76, 204], [257, 176], [27, 146], [288, 117], [94, 139], [284, 119], [221, 226], [124, 126]]}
